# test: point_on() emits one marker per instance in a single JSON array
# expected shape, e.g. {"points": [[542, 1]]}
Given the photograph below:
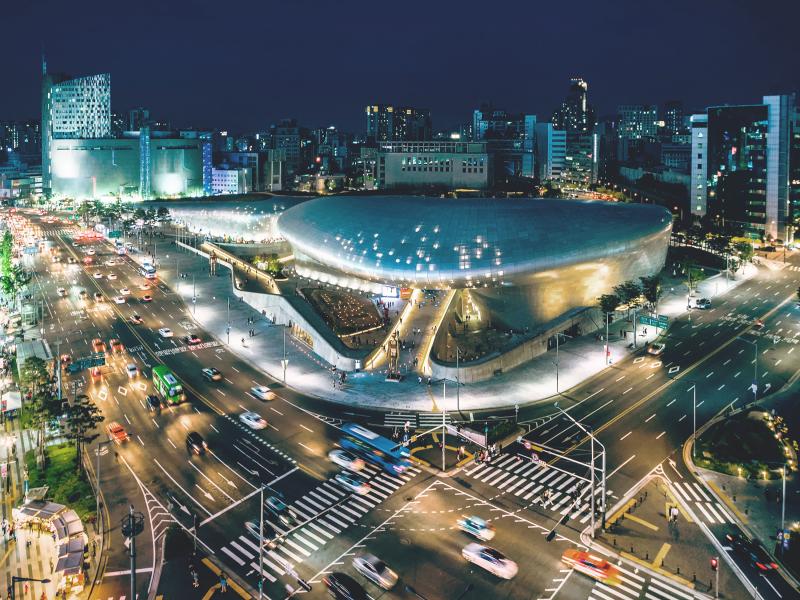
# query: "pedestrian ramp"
{"points": [[702, 504]]}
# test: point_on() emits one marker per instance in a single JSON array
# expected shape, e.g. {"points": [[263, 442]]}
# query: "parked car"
{"points": [[62, 292], [116, 345], [119, 299], [98, 345]]}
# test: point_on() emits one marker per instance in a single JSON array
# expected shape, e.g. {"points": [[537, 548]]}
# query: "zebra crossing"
{"points": [[793, 268], [633, 586], [324, 512], [703, 505], [528, 480], [423, 420]]}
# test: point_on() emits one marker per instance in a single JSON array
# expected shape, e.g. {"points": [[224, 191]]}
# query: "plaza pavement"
{"points": [[580, 358]]}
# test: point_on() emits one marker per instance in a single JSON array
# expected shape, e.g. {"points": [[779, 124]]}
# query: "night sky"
{"points": [[245, 64]]}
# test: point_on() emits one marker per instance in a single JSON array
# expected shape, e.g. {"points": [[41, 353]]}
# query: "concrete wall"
{"points": [[588, 320]]}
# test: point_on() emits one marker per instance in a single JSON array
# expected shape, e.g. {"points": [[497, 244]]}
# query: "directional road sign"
{"points": [[661, 321]]}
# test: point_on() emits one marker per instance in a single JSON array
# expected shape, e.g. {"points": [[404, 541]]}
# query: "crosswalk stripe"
{"points": [[488, 474], [289, 553], [233, 556], [321, 489], [614, 591], [710, 508], [507, 481], [725, 513], [517, 483], [278, 568], [692, 492], [709, 518], [322, 531], [503, 461], [377, 492], [496, 480], [266, 574], [672, 589], [246, 542], [322, 499], [681, 494], [303, 540], [305, 511], [351, 510], [476, 468], [308, 500], [533, 491], [629, 573], [702, 492], [329, 517], [521, 490], [385, 486], [361, 501], [298, 547]]}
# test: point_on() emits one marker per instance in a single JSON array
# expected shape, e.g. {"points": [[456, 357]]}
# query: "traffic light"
{"points": [[714, 563]]}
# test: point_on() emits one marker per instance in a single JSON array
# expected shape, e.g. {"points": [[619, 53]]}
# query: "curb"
{"points": [[659, 570]]}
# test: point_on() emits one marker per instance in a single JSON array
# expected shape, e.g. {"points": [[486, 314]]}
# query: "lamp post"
{"points": [[228, 328], [458, 382], [261, 545], [603, 469], [694, 418], [15, 579], [558, 335], [753, 343]]}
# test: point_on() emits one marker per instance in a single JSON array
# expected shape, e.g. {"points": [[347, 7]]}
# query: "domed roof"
{"points": [[465, 241]]}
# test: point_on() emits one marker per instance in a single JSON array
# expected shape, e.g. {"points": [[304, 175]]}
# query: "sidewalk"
{"points": [[580, 358]]}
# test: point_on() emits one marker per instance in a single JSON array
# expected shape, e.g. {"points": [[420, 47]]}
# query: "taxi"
{"points": [[592, 565]]}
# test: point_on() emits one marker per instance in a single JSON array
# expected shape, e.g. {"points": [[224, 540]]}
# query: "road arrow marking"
{"points": [[672, 464], [205, 493]]}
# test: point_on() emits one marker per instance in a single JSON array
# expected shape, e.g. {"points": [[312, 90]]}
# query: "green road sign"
{"points": [[96, 359], [115, 234], [661, 321]]}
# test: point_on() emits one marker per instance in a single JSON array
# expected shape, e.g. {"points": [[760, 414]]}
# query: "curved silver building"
{"points": [[526, 261]]}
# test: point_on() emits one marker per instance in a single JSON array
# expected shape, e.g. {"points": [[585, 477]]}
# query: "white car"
{"points": [[132, 370], [346, 460], [90, 252], [490, 559], [98, 275], [353, 482], [656, 349], [110, 262], [111, 276], [62, 292], [165, 332], [125, 291], [477, 527], [375, 570], [119, 299], [253, 420], [262, 392]]}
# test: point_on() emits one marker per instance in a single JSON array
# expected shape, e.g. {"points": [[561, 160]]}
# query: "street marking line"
{"points": [[661, 554], [613, 518], [727, 501], [641, 521], [235, 586]]}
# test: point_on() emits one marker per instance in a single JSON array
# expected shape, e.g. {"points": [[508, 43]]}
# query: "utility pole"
{"points": [[133, 525], [694, 419], [444, 420], [228, 328], [194, 295], [261, 545], [608, 346], [458, 382]]}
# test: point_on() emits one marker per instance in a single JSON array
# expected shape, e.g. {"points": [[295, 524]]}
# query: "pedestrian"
{"points": [[223, 583], [242, 341], [51, 565], [195, 579], [419, 380]]}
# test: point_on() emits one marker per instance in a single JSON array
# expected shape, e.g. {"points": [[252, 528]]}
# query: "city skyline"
{"points": [[183, 78]]}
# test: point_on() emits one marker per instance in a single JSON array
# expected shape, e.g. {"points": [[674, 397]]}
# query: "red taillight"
{"points": [[773, 565], [760, 566]]}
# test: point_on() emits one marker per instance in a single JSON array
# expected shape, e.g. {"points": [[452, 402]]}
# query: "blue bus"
{"points": [[375, 448]]}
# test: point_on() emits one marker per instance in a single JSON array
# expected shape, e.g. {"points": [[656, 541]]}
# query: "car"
{"points": [[62, 292], [66, 359], [212, 374], [490, 559], [96, 373], [191, 340], [98, 297], [125, 291], [136, 320], [70, 260], [147, 298], [262, 392], [111, 276], [344, 587], [119, 299], [116, 345], [353, 482], [703, 304], [98, 345], [751, 551], [758, 323], [592, 565], [271, 535], [98, 275], [144, 286], [88, 260], [477, 527], [195, 443], [153, 403], [346, 460], [90, 251], [656, 348], [132, 370], [165, 332], [253, 420], [116, 432], [109, 263], [375, 570], [278, 508], [82, 294]]}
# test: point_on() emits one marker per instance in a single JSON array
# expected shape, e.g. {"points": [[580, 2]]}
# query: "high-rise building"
{"points": [[551, 151], [286, 137], [510, 141], [575, 115], [386, 123], [741, 166], [794, 169], [138, 118], [71, 109], [674, 117], [637, 121]]}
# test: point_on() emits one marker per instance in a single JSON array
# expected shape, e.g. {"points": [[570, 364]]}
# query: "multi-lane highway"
{"points": [[641, 409]]}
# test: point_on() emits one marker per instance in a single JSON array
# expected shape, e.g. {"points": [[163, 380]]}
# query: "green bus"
{"points": [[167, 385]]}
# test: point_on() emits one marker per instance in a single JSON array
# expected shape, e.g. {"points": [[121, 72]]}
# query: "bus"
{"points": [[393, 458], [167, 385], [147, 271]]}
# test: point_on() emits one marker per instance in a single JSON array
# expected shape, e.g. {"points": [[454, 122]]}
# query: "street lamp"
{"points": [[15, 579], [694, 418], [558, 335], [603, 469], [753, 343]]}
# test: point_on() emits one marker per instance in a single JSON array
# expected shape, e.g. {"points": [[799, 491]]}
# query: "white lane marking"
{"points": [[624, 436]]}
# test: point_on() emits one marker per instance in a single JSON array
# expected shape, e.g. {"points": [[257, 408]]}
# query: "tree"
{"points": [[608, 304], [745, 250], [83, 415], [6, 253], [651, 288], [84, 211], [163, 214], [41, 407]]}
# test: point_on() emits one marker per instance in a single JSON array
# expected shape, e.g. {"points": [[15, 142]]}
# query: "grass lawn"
{"points": [[67, 485], [741, 441]]}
